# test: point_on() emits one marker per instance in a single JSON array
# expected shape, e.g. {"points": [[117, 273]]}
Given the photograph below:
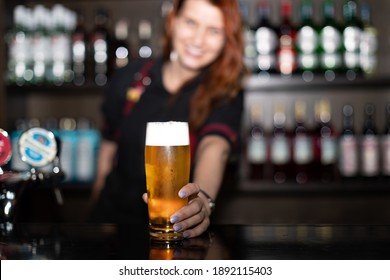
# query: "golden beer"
{"points": [[167, 165]]}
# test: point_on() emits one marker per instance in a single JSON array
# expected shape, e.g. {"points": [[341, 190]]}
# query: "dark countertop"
{"points": [[237, 242]]}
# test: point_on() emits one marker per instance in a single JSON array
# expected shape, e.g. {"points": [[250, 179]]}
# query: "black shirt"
{"points": [[155, 103]]}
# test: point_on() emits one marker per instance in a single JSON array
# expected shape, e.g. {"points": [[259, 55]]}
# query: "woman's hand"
{"points": [[194, 218]]}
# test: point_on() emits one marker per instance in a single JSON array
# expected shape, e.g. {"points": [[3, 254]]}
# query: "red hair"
{"points": [[224, 76]]}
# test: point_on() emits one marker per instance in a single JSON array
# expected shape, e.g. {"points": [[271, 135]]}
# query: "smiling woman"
{"points": [[199, 36], [222, 43], [197, 80]]}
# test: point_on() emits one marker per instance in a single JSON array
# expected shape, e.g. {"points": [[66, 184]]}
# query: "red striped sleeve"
{"points": [[220, 128]]}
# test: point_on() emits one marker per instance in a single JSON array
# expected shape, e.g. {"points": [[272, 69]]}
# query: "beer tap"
{"points": [[39, 148]]}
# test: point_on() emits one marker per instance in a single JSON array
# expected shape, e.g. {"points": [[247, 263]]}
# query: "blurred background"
{"points": [[316, 128]]}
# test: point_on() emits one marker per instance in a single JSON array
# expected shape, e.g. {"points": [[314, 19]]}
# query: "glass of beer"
{"points": [[167, 165]]}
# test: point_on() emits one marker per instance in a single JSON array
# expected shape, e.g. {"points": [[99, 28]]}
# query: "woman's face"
{"points": [[198, 34]]}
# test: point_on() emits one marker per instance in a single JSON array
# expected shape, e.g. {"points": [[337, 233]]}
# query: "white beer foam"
{"points": [[167, 134]]}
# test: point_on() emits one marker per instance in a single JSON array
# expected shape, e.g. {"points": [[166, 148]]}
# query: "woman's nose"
{"points": [[199, 37]]}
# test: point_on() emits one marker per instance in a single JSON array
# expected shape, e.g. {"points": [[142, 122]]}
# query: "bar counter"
{"points": [[235, 242]]}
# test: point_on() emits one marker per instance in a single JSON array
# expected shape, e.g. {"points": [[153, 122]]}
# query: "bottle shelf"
{"points": [[276, 82], [350, 185], [254, 82], [56, 90]]}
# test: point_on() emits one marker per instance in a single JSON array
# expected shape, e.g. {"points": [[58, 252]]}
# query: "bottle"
{"points": [[250, 52], [370, 166], [286, 54], [68, 137], [266, 40], [351, 39], [279, 146], [325, 143], [368, 42], [86, 151], [330, 42], [100, 48], [41, 44], [302, 145], [307, 42], [385, 145], [19, 40], [256, 144], [79, 50], [63, 25], [348, 146], [122, 50], [145, 39]]}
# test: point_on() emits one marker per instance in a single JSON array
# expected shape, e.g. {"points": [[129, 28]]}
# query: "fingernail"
{"points": [[174, 219], [186, 234], [182, 194], [177, 227]]}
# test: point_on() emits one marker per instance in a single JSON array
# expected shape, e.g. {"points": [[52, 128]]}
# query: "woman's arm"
{"points": [[210, 161]]}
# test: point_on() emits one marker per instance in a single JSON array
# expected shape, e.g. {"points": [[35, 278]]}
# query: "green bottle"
{"points": [[307, 42], [351, 38], [250, 53], [330, 42], [266, 40]]}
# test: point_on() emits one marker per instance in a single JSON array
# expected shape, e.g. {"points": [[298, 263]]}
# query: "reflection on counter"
{"points": [[131, 242]]}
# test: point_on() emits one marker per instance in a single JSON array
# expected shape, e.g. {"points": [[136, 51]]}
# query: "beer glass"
{"points": [[167, 165]]}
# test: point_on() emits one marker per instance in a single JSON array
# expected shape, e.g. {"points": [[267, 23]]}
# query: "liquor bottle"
{"points": [[368, 42], [63, 25], [348, 146], [286, 53], [68, 137], [302, 145], [79, 50], [351, 39], [307, 42], [256, 144], [86, 150], [325, 143], [100, 48], [370, 166], [19, 40], [385, 145], [145, 38], [279, 146], [41, 44], [250, 52], [121, 48], [330, 42], [266, 40]]}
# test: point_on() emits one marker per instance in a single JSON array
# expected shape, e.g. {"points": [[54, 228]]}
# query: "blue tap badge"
{"points": [[37, 147]]}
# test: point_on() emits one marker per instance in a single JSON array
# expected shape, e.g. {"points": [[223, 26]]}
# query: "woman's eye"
{"points": [[215, 31], [190, 22]]}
